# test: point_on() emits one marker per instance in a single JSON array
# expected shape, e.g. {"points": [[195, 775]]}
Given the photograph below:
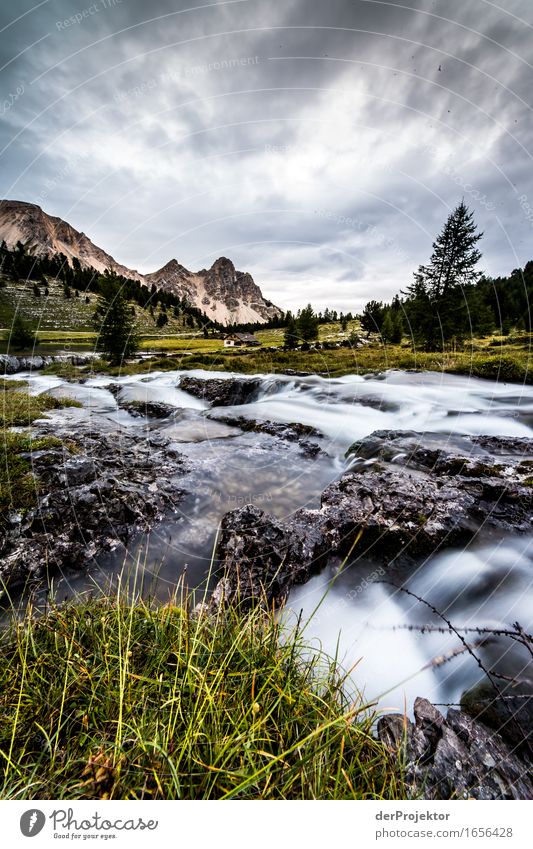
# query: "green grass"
{"points": [[504, 361], [108, 699], [18, 485], [69, 320], [20, 409]]}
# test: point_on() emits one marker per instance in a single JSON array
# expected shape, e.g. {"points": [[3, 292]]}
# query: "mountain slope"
{"points": [[223, 293], [45, 234]]}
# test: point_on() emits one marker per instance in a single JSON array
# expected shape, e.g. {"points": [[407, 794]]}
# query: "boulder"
{"points": [[222, 392], [262, 560]]}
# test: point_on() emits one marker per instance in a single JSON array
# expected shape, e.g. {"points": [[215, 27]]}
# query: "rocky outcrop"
{"points": [[455, 757], [262, 559], [401, 512], [292, 432], [89, 502], [467, 456], [222, 392]]}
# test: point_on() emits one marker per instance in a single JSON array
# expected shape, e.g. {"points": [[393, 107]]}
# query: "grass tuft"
{"points": [[107, 699]]}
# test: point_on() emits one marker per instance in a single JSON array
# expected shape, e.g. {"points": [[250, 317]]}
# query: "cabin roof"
{"points": [[243, 337]]}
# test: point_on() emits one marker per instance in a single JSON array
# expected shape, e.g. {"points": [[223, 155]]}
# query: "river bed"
{"points": [[370, 625]]}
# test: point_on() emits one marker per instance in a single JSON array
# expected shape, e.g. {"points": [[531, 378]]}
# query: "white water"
{"points": [[363, 621]]}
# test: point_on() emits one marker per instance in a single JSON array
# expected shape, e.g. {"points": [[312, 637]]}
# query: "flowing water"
{"points": [[369, 624]]}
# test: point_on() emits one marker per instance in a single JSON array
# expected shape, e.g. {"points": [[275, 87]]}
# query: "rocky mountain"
{"points": [[45, 234], [223, 293]]}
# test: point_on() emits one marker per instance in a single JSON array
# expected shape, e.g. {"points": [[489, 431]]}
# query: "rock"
{"points": [[262, 561], [91, 502], [475, 456], [510, 714], [454, 758], [293, 432], [405, 512], [79, 470], [11, 365], [152, 409], [222, 291], [222, 392]]}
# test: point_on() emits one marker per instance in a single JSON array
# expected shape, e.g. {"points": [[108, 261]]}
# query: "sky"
{"points": [[318, 144]]}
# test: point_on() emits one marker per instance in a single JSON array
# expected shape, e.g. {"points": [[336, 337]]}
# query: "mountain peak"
{"points": [[171, 267], [223, 262]]}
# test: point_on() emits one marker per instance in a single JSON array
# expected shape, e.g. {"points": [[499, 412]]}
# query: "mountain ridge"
{"points": [[225, 294]]}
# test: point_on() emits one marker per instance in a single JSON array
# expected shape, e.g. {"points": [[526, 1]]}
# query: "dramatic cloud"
{"points": [[319, 145]]}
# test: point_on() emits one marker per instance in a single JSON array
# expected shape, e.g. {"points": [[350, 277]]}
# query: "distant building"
{"points": [[240, 340]]}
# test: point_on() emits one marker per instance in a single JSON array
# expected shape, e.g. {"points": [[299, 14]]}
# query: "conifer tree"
{"points": [[114, 321], [437, 304]]}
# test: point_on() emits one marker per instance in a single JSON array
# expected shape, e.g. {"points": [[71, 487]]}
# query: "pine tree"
{"points": [[436, 302], [307, 324], [114, 322], [397, 326], [387, 328], [20, 336], [372, 316], [290, 335]]}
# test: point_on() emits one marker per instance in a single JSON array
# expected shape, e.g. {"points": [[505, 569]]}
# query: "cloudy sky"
{"points": [[320, 145]]}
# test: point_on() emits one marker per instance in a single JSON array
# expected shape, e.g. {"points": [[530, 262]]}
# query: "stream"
{"points": [[369, 625]]}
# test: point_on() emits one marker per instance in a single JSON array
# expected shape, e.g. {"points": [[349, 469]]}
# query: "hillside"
{"points": [[226, 295]]}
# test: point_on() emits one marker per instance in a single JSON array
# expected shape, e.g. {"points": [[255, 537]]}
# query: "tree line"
{"points": [[449, 299]]}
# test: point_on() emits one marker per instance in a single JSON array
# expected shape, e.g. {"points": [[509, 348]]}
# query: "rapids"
{"points": [[369, 625]]}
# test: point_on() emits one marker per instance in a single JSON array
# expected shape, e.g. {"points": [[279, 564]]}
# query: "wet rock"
{"points": [[262, 561], [402, 513], [454, 757], [509, 712], [152, 409], [89, 503], [79, 470], [293, 432], [10, 364], [222, 392]]}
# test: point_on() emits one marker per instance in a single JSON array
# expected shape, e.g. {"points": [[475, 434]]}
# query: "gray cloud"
{"points": [[321, 146]]}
